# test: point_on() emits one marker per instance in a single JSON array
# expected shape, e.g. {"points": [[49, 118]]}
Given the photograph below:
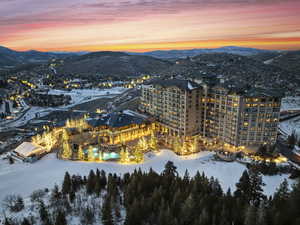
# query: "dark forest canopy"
{"points": [[149, 198]]}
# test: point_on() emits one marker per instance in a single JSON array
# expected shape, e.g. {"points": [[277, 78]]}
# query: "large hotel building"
{"points": [[238, 118]]}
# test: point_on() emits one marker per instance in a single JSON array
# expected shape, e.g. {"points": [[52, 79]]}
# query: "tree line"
{"points": [[150, 198]]}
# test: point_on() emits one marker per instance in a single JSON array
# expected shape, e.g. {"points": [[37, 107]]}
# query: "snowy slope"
{"points": [[289, 126], [22, 178], [290, 103]]}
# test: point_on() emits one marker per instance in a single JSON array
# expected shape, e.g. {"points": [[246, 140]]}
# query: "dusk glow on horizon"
{"points": [[145, 25]]}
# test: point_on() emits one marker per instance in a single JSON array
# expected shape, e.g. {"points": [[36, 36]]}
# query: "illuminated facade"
{"points": [[237, 118], [103, 137], [174, 104], [240, 119]]}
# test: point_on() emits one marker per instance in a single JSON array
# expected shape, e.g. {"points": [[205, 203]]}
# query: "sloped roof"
{"points": [[117, 119], [27, 148]]}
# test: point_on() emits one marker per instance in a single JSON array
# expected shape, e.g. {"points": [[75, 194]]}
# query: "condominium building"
{"points": [[240, 118], [236, 117], [175, 104]]}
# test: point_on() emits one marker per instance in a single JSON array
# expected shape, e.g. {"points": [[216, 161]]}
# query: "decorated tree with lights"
{"points": [[124, 155], [195, 145], [138, 154], [37, 139], [184, 148], [48, 140], [153, 142], [176, 145], [142, 144], [81, 155], [67, 151], [65, 135]]}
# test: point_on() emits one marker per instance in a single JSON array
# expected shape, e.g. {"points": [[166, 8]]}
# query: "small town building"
{"points": [[28, 151]]}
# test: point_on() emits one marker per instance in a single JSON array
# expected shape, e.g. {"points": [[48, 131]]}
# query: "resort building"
{"points": [[240, 118], [229, 115], [91, 137], [175, 104], [28, 151]]}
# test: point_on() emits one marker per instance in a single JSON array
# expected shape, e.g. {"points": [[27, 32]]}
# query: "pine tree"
{"points": [[250, 216], [66, 186], [294, 201], [281, 195], [261, 215], [25, 222], [242, 187], [186, 178], [61, 218], [106, 214], [90, 187], [88, 216], [170, 169], [55, 195], [72, 196], [98, 186], [103, 179], [44, 215], [7, 222], [256, 191]]}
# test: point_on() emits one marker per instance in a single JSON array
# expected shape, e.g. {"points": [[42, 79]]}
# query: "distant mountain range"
{"points": [[10, 58], [235, 65], [177, 54]]}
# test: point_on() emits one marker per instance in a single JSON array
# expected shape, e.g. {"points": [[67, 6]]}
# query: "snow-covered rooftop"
{"points": [[27, 148]]}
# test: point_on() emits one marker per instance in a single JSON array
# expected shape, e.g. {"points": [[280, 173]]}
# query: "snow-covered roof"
{"points": [[27, 148], [118, 119]]}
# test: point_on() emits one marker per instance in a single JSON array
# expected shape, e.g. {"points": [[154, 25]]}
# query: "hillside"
{"points": [[10, 58], [288, 61], [240, 71], [112, 64]]}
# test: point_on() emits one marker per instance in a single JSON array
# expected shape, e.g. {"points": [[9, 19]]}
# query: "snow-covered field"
{"points": [[290, 103], [83, 95], [23, 178], [289, 126]]}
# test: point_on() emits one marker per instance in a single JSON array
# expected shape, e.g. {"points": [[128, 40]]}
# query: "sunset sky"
{"points": [[144, 25]]}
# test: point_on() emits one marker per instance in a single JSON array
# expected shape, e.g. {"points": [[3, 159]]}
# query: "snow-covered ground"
{"points": [[287, 127], [290, 103], [83, 95], [78, 96], [23, 178]]}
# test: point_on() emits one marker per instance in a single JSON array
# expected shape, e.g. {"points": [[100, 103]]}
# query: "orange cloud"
{"points": [[149, 24]]}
